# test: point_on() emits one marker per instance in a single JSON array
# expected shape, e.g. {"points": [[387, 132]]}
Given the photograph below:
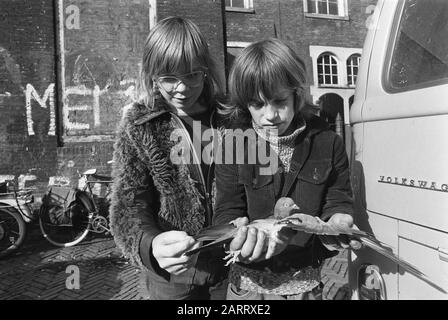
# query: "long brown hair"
{"points": [[175, 44], [261, 68]]}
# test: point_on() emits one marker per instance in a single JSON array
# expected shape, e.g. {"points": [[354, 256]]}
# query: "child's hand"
{"points": [[260, 240], [168, 248], [279, 241], [251, 243], [342, 241]]}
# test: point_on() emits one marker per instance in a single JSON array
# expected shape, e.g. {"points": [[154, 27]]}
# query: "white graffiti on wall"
{"points": [[96, 93], [59, 181], [48, 101], [21, 179], [24, 179], [6, 177], [82, 91], [130, 91], [31, 94]]}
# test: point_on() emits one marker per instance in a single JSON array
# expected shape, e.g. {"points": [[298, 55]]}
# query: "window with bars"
{"points": [[327, 69], [326, 8], [245, 4], [352, 68]]}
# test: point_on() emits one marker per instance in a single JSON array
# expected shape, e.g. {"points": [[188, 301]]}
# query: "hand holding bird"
{"points": [[287, 225], [246, 245], [264, 238], [260, 240]]}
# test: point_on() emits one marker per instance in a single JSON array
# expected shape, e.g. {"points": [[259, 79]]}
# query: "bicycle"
{"points": [[67, 214], [15, 212]]}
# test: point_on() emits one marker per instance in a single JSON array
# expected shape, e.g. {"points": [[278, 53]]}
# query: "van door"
{"points": [[406, 118], [405, 138]]}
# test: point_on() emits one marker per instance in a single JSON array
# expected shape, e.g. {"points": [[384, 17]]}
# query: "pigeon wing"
{"points": [[217, 234], [382, 249], [311, 224]]}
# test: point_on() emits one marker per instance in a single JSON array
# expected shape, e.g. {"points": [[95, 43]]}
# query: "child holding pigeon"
{"points": [[266, 86]]}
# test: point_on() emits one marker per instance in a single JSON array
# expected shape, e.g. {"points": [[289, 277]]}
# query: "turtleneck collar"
{"points": [[280, 140]]}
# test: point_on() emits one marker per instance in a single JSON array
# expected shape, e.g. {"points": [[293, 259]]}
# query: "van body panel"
{"points": [[420, 244], [414, 288], [406, 177], [361, 83], [370, 68], [399, 166], [437, 240], [407, 104]]}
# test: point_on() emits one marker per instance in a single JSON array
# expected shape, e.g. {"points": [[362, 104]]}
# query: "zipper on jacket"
{"points": [[209, 183], [198, 162]]}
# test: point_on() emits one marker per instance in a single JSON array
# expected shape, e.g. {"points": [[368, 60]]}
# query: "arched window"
{"points": [[327, 69], [352, 68], [332, 111]]}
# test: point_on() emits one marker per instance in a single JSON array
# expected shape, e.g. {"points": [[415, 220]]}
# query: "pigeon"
{"points": [[288, 215], [222, 234]]}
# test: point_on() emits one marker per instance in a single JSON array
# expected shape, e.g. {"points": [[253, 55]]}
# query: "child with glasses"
{"points": [[158, 203], [267, 95]]}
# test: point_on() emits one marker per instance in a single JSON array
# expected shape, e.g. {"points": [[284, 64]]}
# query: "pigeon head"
{"points": [[284, 207]]}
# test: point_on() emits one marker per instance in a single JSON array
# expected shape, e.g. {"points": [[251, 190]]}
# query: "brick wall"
{"points": [[28, 140], [75, 158], [52, 127], [100, 68], [101, 62], [250, 27]]}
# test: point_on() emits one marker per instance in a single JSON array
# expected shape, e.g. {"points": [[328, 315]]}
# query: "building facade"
{"points": [[67, 69]]}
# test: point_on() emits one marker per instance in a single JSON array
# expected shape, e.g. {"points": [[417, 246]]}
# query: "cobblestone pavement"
{"points": [[39, 271]]}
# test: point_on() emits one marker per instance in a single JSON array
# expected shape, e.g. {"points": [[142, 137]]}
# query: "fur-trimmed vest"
{"points": [[141, 162]]}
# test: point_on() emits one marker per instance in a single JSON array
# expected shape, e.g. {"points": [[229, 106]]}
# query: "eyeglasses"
{"points": [[192, 80]]}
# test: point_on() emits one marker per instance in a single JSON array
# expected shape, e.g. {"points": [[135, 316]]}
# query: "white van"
{"points": [[399, 151]]}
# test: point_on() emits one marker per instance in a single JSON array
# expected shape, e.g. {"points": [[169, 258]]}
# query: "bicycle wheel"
{"points": [[69, 234], [12, 231]]}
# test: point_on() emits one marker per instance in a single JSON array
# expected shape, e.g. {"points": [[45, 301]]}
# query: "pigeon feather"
{"points": [[287, 215]]}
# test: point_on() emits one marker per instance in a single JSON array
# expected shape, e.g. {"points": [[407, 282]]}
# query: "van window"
{"points": [[420, 54]]}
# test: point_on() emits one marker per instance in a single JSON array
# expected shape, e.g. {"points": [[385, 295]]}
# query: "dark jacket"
{"points": [[151, 195], [318, 182]]}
